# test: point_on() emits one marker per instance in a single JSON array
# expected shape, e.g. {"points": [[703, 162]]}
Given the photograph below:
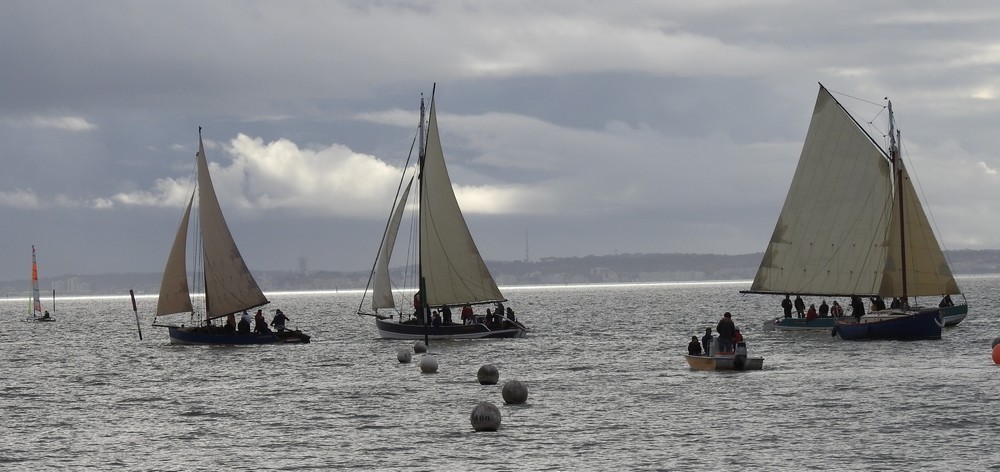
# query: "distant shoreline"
{"points": [[546, 272]]}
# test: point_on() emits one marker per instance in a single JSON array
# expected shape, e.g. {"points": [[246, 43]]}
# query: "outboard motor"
{"points": [[740, 359]]}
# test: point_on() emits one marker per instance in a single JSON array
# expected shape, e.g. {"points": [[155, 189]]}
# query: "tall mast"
{"points": [[421, 283], [897, 165]]}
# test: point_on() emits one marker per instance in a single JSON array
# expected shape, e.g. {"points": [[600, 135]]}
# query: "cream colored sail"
{"points": [[927, 271], [830, 237], [229, 286], [452, 268], [174, 295], [839, 231], [382, 288]]}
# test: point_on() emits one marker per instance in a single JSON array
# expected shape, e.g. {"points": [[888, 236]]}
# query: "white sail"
{"points": [[838, 230], [453, 270], [927, 271], [382, 288], [229, 285], [174, 295]]}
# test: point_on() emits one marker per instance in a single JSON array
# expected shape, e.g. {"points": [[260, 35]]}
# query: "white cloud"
{"points": [[987, 168], [19, 199], [281, 176], [65, 123]]}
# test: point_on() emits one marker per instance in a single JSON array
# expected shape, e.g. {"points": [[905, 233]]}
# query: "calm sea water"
{"points": [[608, 388]]}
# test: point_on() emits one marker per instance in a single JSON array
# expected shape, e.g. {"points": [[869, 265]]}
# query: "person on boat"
{"points": [[878, 304], [436, 319], [836, 310], [857, 307], [946, 301], [499, 311], [510, 314], [489, 317], [895, 303], [46, 315], [800, 306], [260, 323], [786, 306], [706, 341], [446, 313], [467, 315], [694, 347], [824, 309], [737, 337], [726, 329], [811, 312], [230, 327], [279, 321], [243, 327]]}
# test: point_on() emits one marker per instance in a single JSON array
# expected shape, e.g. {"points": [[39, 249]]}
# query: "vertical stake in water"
{"points": [[136, 311]]}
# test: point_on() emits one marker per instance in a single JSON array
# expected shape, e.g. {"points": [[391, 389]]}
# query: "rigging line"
{"points": [[871, 122], [856, 98], [399, 188]]}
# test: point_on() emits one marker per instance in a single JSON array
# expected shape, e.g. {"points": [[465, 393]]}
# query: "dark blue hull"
{"points": [[199, 335], [893, 325], [390, 329]]}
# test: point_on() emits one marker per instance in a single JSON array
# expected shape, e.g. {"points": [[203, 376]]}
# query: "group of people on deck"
{"points": [[729, 338], [812, 312], [443, 316], [260, 324]]}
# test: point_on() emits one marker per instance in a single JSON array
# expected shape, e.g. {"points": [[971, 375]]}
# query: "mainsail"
{"points": [[36, 307], [838, 232], [229, 286], [453, 271]]}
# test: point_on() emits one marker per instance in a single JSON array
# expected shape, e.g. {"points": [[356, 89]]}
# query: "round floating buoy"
{"points": [[488, 375], [514, 392], [428, 364], [485, 417], [996, 354], [419, 347], [996, 341], [404, 356]]}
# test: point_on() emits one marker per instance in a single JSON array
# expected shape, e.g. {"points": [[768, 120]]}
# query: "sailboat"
{"points": [[229, 286], [451, 273], [35, 302], [853, 227]]}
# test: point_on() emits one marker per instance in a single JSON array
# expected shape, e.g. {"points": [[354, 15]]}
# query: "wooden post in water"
{"points": [[136, 311]]}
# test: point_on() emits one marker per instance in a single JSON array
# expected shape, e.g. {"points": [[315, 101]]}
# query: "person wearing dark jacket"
{"points": [[800, 307], [694, 347], [786, 306], [726, 329], [706, 341], [857, 307]]}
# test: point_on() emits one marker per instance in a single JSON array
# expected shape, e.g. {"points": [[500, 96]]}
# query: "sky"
{"points": [[570, 128]]}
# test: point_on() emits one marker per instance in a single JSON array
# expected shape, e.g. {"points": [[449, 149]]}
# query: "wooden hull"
{"points": [[724, 362], [896, 325], [391, 329], [203, 336]]}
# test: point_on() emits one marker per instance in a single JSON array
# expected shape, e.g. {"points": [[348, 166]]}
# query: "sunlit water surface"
{"points": [[608, 389]]}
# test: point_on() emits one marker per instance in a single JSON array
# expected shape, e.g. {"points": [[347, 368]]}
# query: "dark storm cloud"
{"points": [[637, 127]]}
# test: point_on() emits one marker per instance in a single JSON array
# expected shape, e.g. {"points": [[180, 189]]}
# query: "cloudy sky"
{"points": [[583, 127]]}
